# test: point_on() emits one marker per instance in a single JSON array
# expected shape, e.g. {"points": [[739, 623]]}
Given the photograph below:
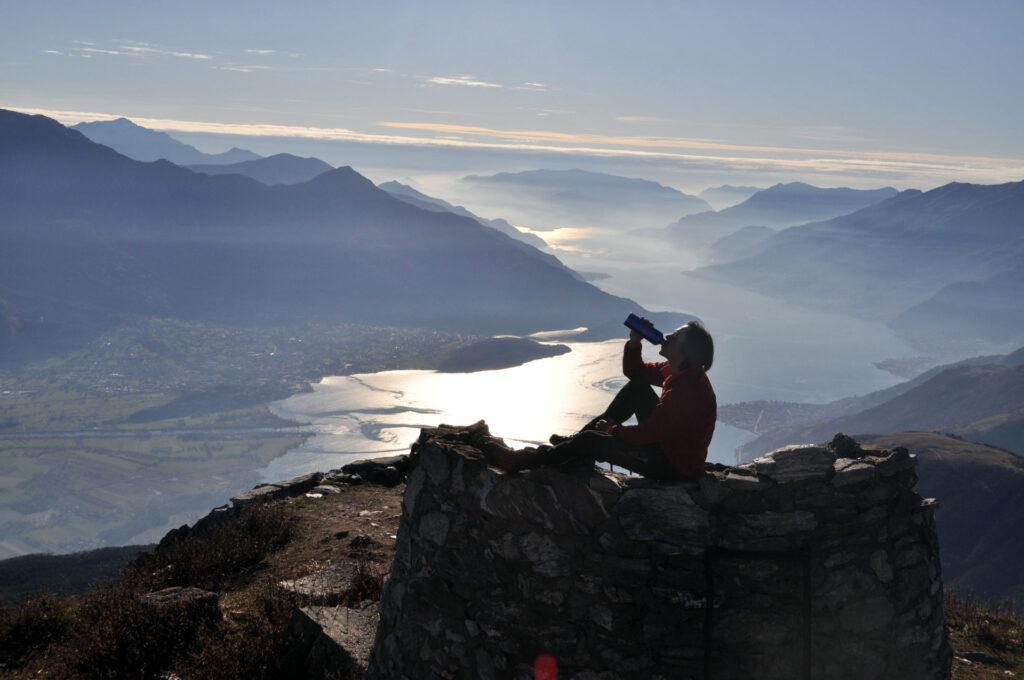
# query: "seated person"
{"points": [[674, 431]]}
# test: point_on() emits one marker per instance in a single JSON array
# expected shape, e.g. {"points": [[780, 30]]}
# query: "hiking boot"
{"points": [[557, 439]]}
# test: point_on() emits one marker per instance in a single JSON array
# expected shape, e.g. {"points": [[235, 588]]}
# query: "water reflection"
{"points": [[381, 413]]}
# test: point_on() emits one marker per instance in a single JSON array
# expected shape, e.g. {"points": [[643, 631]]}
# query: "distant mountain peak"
{"points": [[143, 144]]}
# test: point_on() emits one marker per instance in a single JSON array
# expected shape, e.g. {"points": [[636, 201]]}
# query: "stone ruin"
{"points": [[810, 562]]}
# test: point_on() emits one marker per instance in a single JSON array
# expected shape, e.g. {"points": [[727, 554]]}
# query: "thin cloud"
{"points": [[532, 87], [253, 51], [465, 81], [246, 68], [97, 50], [911, 165], [53, 52], [641, 119], [132, 48], [146, 49]]}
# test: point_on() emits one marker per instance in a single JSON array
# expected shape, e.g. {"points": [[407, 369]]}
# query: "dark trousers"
{"points": [[634, 399]]}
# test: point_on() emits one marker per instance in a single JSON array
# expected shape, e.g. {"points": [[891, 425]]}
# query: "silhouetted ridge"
{"points": [[159, 240], [143, 144], [282, 168]]}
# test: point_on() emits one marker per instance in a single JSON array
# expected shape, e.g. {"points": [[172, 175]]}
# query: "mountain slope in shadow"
{"points": [[85, 230]]}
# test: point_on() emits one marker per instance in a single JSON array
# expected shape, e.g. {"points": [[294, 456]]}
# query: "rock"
{"points": [[187, 608], [300, 484], [259, 494], [362, 542], [852, 471], [330, 642], [985, 658], [339, 478], [328, 587], [387, 471], [798, 463], [845, 446]]}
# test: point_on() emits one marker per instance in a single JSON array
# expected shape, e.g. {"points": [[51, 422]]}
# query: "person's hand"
{"points": [[602, 425], [635, 337]]}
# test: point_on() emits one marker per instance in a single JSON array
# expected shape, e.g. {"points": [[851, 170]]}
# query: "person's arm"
{"points": [[635, 368]]}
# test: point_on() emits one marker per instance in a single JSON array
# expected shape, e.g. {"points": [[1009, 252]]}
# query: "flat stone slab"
{"points": [[799, 463], [260, 494], [330, 586], [300, 484]]}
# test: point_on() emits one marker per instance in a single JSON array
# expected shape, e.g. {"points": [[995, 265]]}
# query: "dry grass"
{"points": [[250, 644], [109, 633], [106, 633], [224, 556], [987, 638]]}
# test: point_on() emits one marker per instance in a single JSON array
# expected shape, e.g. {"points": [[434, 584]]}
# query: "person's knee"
{"points": [[590, 437]]}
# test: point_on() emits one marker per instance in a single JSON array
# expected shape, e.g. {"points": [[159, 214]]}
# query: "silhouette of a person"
{"points": [[671, 438]]}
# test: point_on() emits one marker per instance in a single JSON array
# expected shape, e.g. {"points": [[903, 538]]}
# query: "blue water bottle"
{"points": [[644, 328]]}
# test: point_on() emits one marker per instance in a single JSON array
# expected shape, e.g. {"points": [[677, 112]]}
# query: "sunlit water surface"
{"points": [[368, 415]]}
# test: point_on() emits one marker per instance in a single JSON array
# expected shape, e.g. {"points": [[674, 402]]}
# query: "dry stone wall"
{"points": [[810, 562]]}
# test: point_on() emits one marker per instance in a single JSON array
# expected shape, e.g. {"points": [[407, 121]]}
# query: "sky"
{"points": [[861, 94]]}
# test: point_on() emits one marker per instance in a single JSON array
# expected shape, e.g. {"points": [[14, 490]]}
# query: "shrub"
{"points": [[31, 626], [222, 555]]}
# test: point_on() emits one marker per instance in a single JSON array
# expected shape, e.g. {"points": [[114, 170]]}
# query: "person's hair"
{"points": [[699, 347]]}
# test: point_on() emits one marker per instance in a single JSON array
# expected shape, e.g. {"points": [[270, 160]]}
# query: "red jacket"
{"points": [[684, 419]]}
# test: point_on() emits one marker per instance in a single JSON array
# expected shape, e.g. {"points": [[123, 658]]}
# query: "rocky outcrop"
{"points": [[809, 562]]}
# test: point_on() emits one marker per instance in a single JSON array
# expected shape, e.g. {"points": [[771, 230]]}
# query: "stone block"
{"points": [[259, 494], [797, 463], [330, 642], [330, 586], [386, 471]]}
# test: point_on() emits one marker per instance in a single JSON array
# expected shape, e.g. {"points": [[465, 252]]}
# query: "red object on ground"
{"points": [[684, 419], [545, 668]]}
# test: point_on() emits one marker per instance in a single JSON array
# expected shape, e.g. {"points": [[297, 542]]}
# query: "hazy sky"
{"points": [[906, 93]]}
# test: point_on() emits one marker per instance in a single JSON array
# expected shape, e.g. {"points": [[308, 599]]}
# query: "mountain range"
{"points": [[143, 144], [727, 195], [905, 259], [281, 168], [404, 192], [546, 199], [779, 206], [88, 236], [980, 399]]}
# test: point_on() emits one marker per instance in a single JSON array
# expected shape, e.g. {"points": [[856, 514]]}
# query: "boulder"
{"points": [[330, 642], [327, 587], [386, 471]]}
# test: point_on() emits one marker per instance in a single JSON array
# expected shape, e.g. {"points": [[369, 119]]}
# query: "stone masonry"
{"points": [[810, 562]]}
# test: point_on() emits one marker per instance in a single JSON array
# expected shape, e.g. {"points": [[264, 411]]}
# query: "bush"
{"points": [[124, 638], [31, 626], [111, 633], [252, 646], [222, 555]]}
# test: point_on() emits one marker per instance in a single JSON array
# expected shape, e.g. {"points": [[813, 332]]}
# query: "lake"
{"points": [[764, 350]]}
